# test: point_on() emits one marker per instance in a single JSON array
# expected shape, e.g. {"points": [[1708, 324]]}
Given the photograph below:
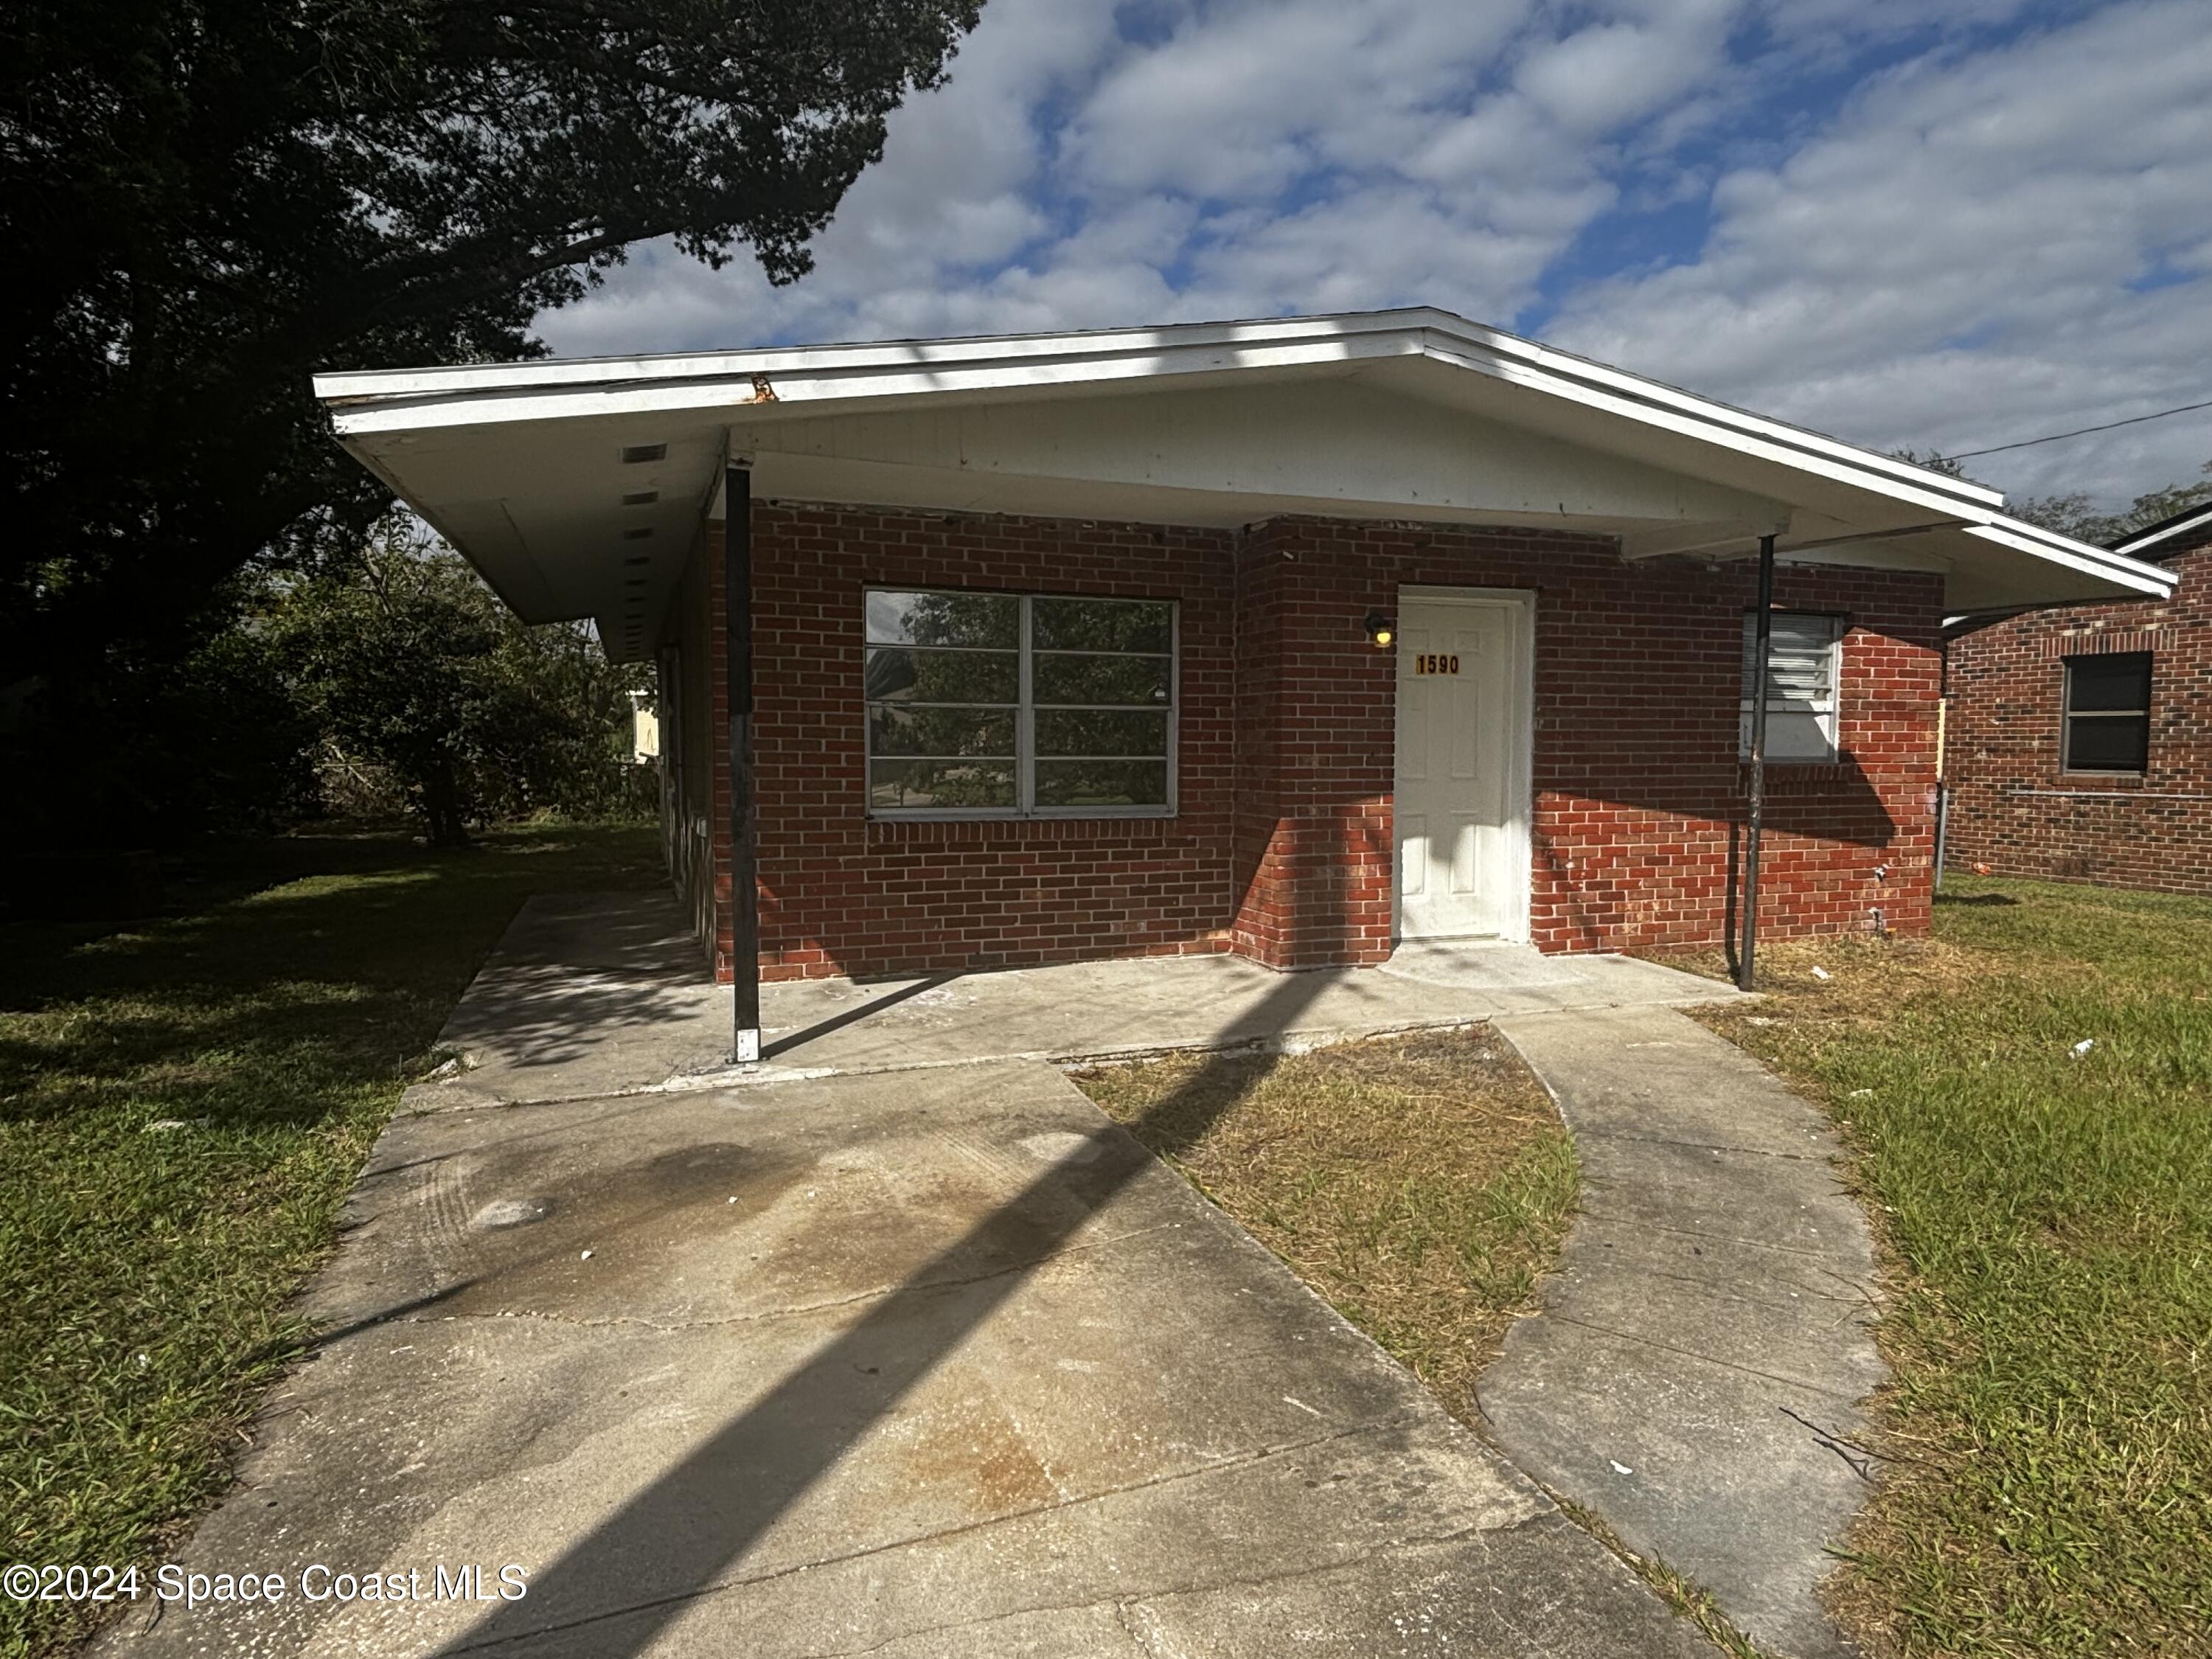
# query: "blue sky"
{"points": [[1952, 232]]}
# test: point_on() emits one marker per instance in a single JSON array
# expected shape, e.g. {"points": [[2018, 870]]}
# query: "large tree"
{"points": [[205, 200]]}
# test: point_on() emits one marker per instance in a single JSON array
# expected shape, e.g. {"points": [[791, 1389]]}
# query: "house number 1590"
{"points": [[1432, 663]]}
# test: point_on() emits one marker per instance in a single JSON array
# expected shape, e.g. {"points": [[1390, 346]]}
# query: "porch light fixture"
{"points": [[1381, 631]]}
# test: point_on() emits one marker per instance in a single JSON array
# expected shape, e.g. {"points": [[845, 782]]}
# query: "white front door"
{"points": [[1462, 791]]}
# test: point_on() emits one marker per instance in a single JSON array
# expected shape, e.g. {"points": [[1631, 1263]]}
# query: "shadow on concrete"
{"points": [[534, 1015], [854, 1016], [576, 969], [328, 1335], [697, 1518]]}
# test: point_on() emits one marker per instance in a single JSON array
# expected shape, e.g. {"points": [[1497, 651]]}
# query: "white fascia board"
{"points": [[1561, 365], [722, 394], [1781, 445], [2146, 579], [2144, 543], [801, 373], [869, 358], [403, 400], [1783, 448]]}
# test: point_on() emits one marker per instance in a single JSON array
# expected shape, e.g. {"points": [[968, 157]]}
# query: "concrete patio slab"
{"points": [[931, 1363], [595, 994], [1694, 1372]]}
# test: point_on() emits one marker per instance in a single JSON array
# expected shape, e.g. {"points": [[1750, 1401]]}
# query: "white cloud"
{"points": [[1953, 258], [1607, 75], [1951, 263]]}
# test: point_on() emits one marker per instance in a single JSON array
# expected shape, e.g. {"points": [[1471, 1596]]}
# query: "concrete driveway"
{"points": [[602, 994], [927, 1362]]}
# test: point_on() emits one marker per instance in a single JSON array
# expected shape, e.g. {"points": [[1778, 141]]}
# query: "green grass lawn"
{"points": [[2048, 1215], [275, 1010]]}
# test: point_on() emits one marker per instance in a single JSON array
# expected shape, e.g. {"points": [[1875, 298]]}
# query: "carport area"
{"points": [[906, 1360], [601, 994]]}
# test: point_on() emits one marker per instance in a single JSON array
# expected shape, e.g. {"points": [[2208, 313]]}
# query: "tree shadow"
{"points": [[288, 985], [617, 1587]]}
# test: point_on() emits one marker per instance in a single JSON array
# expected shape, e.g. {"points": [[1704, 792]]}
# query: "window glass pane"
{"points": [[1801, 660], [1123, 682], [972, 619], [1790, 736], [1102, 783], [1102, 625], [941, 783], [1101, 732], [943, 676], [2115, 682], [898, 729], [2108, 743]]}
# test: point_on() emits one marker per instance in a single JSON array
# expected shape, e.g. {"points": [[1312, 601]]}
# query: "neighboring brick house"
{"points": [[1066, 646], [2080, 740]]}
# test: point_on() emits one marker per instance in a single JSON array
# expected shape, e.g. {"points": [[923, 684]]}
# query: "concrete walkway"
{"points": [[1694, 1373], [916, 1365], [596, 994]]}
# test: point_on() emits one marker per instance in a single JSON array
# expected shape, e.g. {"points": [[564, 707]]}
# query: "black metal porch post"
{"points": [[1762, 647], [744, 817]]}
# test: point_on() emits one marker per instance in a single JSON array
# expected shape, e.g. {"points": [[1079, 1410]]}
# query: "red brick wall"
{"points": [[1282, 849], [2014, 809], [842, 895], [1639, 796]]}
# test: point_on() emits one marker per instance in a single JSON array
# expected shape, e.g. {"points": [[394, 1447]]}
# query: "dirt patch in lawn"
{"points": [[1421, 1184]]}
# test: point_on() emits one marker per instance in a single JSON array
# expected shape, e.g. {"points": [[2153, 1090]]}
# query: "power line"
{"points": [[2079, 432]]}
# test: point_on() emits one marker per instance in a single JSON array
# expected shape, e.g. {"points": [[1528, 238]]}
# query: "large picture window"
{"points": [[997, 705], [2107, 722], [1804, 663]]}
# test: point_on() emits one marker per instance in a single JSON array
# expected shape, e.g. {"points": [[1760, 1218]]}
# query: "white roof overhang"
{"points": [[2178, 531], [1411, 415]]}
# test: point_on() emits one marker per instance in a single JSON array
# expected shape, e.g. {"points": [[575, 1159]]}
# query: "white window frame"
{"points": [[1826, 712], [1025, 806]]}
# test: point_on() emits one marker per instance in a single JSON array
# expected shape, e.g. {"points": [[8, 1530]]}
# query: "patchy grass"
{"points": [[2048, 1215], [1421, 1184], [274, 1012]]}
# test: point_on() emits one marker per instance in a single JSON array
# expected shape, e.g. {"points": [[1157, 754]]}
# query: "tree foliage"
{"points": [[203, 203], [211, 742], [412, 670], [2076, 515]]}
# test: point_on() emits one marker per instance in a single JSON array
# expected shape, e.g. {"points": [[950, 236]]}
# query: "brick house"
{"points": [[2080, 737], [1293, 639]]}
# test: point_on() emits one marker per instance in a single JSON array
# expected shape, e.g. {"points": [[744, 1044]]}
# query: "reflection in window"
{"points": [[999, 705]]}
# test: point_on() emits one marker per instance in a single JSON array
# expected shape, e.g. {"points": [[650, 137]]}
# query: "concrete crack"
{"points": [[1709, 1237], [1124, 1605], [1692, 1353], [1704, 1146], [1248, 1460]]}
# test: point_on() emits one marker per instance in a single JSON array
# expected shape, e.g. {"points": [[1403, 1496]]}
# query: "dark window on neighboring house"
{"points": [[998, 705], [2107, 723]]}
